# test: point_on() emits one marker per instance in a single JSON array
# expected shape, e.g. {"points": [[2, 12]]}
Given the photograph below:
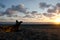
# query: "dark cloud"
{"points": [[15, 9], [12, 16], [55, 9], [34, 12], [20, 8], [58, 4], [31, 14], [48, 15], [2, 14], [58, 7], [28, 16], [2, 5], [44, 5], [8, 12], [51, 10]]}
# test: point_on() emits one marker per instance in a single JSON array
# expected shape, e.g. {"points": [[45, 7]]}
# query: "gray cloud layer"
{"points": [[54, 9], [15, 9], [51, 10], [21, 8], [44, 5], [2, 5]]}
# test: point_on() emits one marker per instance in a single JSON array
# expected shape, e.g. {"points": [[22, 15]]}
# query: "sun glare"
{"points": [[57, 19]]}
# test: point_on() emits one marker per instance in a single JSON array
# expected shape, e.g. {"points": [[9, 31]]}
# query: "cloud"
{"points": [[10, 11], [44, 5], [51, 10], [2, 5], [58, 4], [14, 10], [2, 14], [54, 9], [34, 12], [48, 15], [20, 8], [28, 16]]}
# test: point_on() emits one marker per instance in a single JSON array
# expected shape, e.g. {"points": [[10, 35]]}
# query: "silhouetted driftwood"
{"points": [[15, 27], [11, 28]]}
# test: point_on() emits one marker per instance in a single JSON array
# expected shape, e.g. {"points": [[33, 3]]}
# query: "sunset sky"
{"points": [[29, 10]]}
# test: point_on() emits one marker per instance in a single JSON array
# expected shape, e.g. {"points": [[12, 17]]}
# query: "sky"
{"points": [[29, 10]]}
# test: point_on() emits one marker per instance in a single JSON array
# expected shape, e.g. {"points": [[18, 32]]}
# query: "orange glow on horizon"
{"points": [[56, 19]]}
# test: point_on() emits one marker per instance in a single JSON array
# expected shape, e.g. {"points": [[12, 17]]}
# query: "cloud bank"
{"points": [[2, 5], [44, 5], [20, 12]]}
